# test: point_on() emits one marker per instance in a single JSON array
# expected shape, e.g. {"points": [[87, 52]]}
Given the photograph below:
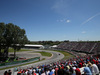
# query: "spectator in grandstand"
{"points": [[43, 73], [75, 64], [33, 73], [90, 66], [19, 73], [80, 65], [15, 69], [65, 67], [29, 72], [74, 68], [71, 70], [47, 71], [87, 71], [37, 70], [9, 72], [60, 71], [66, 71], [23, 71], [94, 61], [5, 73], [98, 65], [26, 72], [95, 69], [56, 70], [78, 72], [51, 72]]}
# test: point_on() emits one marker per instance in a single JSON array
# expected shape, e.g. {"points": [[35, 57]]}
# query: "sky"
{"points": [[55, 20]]}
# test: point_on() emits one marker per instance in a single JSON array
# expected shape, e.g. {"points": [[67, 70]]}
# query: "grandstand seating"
{"points": [[71, 66], [89, 47]]}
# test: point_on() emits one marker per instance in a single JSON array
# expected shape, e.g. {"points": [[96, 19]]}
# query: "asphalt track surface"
{"points": [[30, 54]]}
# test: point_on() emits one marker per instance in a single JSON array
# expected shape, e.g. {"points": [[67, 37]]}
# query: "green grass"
{"points": [[45, 54], [22, 64], [66, 54], [21, 50]]}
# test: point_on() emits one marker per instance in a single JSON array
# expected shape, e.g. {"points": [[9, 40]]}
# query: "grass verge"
{"points": [[12, 50], [21, 50], [66, 54]]}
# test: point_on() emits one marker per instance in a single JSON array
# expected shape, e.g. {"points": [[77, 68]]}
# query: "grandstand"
{"points": [[68, 66], [87, 47]]}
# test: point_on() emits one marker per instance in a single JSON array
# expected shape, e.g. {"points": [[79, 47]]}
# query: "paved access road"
{"points": [[30, 54]]}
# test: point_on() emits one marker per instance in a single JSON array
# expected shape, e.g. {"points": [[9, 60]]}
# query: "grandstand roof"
{"points": [[33, 45], [54, 46]]}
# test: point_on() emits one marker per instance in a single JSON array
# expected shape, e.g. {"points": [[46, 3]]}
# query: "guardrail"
{"points": [[17, 62]]}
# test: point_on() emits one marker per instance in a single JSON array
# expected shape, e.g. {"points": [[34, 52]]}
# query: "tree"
{"points": [[19, 39], [11, 36], [8, 35], [2, 39]]}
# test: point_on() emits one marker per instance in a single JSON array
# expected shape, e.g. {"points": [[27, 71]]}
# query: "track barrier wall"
{"points": [[17, 62]]}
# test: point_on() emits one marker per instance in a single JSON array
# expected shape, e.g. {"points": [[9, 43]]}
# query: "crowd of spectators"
{"points": [[80, 46], [87, 65], [8, 72], [79, 65]]}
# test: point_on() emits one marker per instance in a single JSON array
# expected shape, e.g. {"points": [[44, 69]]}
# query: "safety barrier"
{"points": [[17, 62]]}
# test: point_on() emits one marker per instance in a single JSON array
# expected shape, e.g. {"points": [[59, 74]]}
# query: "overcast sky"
{"points": [[54, 19]]}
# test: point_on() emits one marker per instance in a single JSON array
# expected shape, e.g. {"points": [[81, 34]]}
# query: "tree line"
{"points": [[11, 36], [51, 43]]}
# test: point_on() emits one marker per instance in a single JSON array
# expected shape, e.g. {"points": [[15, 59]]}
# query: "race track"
{"points": [[30, 54]]}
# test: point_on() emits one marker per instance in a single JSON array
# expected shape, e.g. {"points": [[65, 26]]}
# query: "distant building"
{"points": [[33, 46], [53, 47]]}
